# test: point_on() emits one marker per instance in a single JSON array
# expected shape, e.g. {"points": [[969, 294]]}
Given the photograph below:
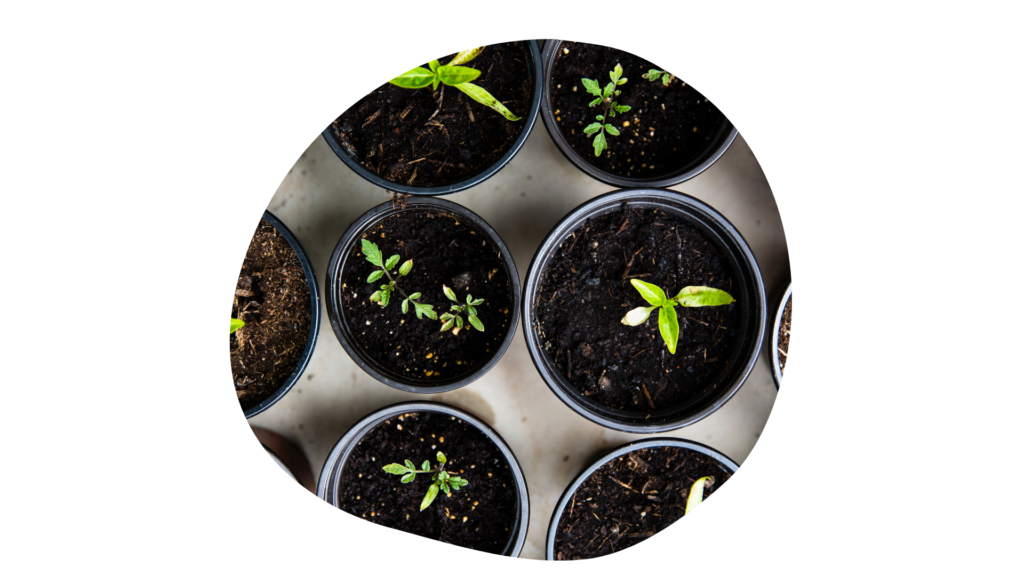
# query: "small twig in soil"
{"points": [[440, 101], [371, 118], [648, 394], [623, 484]]}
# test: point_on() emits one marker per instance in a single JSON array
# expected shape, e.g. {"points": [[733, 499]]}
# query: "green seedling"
{"points": [[453, 321], [696, 495], [441, 480], [668, 323], [383, 296], [609, 108], [236, 324], [653, 74], [454, 74]]}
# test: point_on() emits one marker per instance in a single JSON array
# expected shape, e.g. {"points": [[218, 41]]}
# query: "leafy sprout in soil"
{"points": [[442, 481], [455, 319], [668, 322], [608, 110], [454, 74], [696, 495], [236, 324], [653, 74], [383, 296]]}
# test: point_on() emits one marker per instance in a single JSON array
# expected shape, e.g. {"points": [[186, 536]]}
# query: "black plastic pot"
{"points": [[719, 144], [336, 313], [314, 317], [330, 476], [529, 120], [776, 368], [727, 465], [749, 293]]}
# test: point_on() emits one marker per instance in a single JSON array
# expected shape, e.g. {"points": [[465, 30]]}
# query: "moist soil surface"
{"points": [[784, 326], [445, 251], [394, 132], [630, 499], [479, 516], [585, 292], [272, 298], [667, 127]]}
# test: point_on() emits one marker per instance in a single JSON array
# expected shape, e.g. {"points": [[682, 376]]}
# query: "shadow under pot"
{"points": [[437, 308], [580, 287], [287, 455], [489, 510], [669, 134], [278, 300], [780, 335], [631, 494], [430, 142]]}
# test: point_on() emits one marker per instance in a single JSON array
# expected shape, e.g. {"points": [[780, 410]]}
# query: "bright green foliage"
{"points": [[668, 322], [383, 296], [696, 495], [653, 74], [455, 319], [609, 110], [442, 481], [453, 74], [236, 324]]}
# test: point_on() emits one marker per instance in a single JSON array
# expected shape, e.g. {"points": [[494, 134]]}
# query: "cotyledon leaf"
{"points": [[696, 494], [695, 296], [484, 97]]}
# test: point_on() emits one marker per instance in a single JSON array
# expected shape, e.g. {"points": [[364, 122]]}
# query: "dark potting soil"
{"points": [[434, 138], [479, 516], [272, 298], [630, 499], [784, 326], [666, 128], [585, 292], [445, 251]]}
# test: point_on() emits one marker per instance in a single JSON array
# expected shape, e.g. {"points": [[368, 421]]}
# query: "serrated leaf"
{"points": [[475, 321], [466, 56], [611, 129], [375, 297], [449, 293], [428, 311], [477, 302], [622, 109], [617, 71], [391, 262], [652, 74], [385, 297], [445, 488], [408, 477], [697, 296], [405, 268], [608, 89], [596, 101], [592, 86], [410, 465], [599, 143], [395, 469], [425, 466], [429, 498], [458, 321], [446, 317], [447, 325], [650, 292], [596, 126], [236, 324], [666, 79], [454, 75], [458, 482], [441, 458], [419, 312], [638, 316], [484, 97], [418, 77], [405, 306], [668, 325], [374, 276], [373, 253], [696, 495]]}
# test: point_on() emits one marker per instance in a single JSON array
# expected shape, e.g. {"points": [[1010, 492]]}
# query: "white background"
{"points": [[140, 143]]}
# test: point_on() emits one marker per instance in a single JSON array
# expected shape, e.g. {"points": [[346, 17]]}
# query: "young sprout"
{"points": [[442, 481], [668, 323], [609, 108], [383, 296], [653, 74], [236, 324], [455, 319], [697, 493], [453, 74]]}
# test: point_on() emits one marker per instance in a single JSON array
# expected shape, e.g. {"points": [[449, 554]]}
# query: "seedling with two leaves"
{"points": [[442, 480], [383, 296], [653, 74], [454, 74], [668, 322], [455, 319], [609, 109]]}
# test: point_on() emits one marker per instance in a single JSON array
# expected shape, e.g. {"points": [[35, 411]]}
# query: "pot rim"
{"points": [[712, 224], [335, 312], [314, 319], [776, 368], [726, 135], [556, 516], [330, 474], [533, 49]]}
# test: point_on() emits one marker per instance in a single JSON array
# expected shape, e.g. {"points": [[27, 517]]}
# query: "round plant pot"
{"points": [[528, 120], [314, 317], [348, 248], [776, 367], [726, 463], [749, 293], [719, 143], [329, 485]]}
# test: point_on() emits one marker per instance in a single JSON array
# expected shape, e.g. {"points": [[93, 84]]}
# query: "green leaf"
{"points": [[466, 55], [395, 469], [638, 316], [458, 321], [471, 310], [599, 143], [477, 302], [608, 89], [697, 296], [447, 325], [449, 293], [391, 262], [441, 458], [235, 325], [622, 109], [415, 296], [408, 477], [650, 292], [458, 482], [611, 129], [427, 310], [453, 75], [666, 79], [592, 86], [446, 317], [375, 297], [620, 82], [385, 297], [405, 306], [445, 488], [475, 321], [596, 101], [410, 465], [374, 276], [484, 97], [696, 495], [425, 466], [600, 117], [373, 253], [652, 74], [429, 498], [668, 324], [434, 65], [405, 268], [418, 77]]}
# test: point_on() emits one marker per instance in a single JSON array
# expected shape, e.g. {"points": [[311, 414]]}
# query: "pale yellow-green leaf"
{"points": [[668, 324], [466, 55], [454, 75], [696, 494], [418, 77], [696, 296], [638, 316], [484, 97], [650, 292]]}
